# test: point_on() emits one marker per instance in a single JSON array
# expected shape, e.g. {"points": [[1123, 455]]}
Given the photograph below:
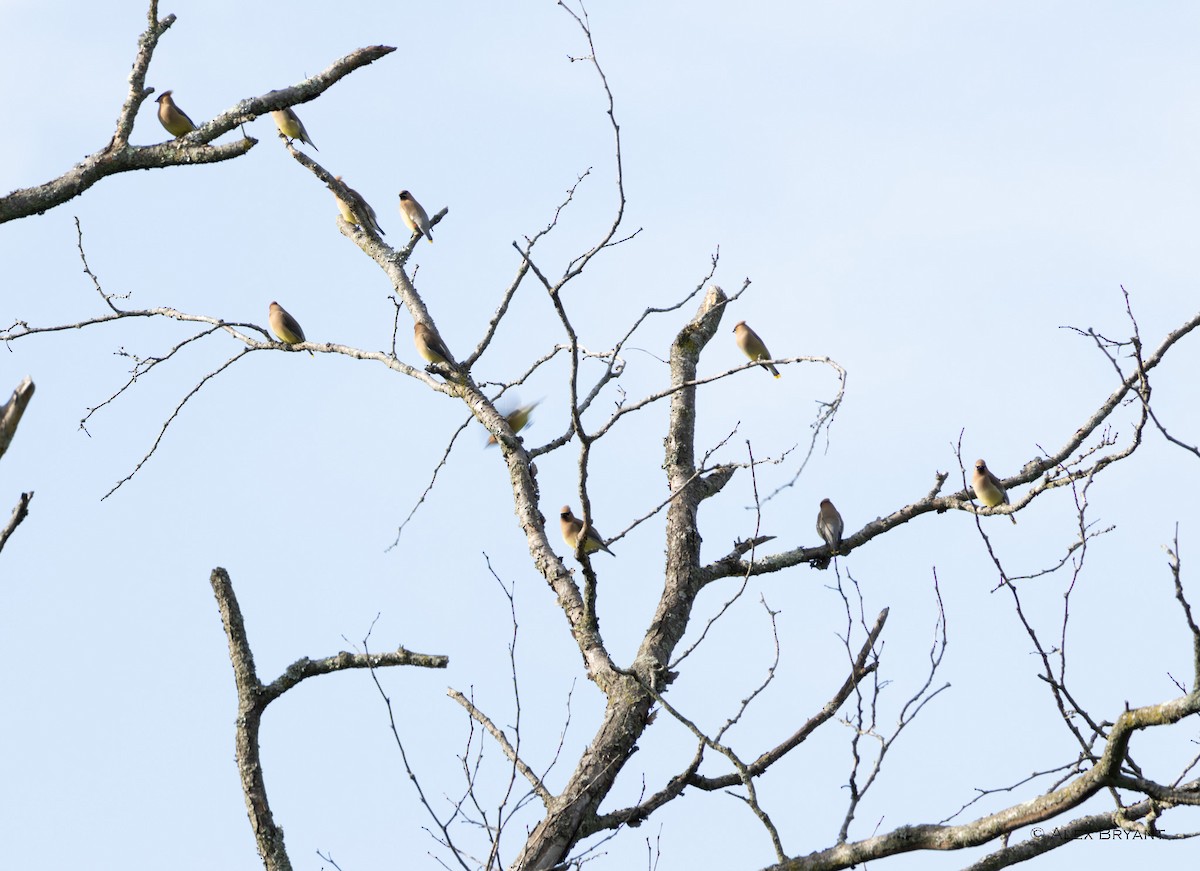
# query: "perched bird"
{"points": [[829, 524], [572, 526], [518, 420], [988, 488], [291, 126], [753, 346], [414, 216], [285, 326], [350, 211], [430, 345], [172, 117]]}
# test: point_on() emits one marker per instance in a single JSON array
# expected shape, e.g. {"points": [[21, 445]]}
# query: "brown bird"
{"points": [[291, 126], [350, 211], [414, 216], [172, 117], [430, 346], [752, 346], [572, 526], [988, 488], [286, 327], [518, 420], [829, 525]]}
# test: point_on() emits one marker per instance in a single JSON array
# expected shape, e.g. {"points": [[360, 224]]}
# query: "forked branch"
{"points": [[254, 696], [194, 148]]}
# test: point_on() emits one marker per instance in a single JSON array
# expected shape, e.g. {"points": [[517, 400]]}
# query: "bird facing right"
{"points": [[350, 211], [753, 347], [518, 420], [286, 327], [172, 117], [572, 526], [414, 216], [291, 126], [988, 488]]}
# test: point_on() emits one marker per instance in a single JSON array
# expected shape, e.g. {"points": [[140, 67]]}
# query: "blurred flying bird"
{"points": [[518, 420]]}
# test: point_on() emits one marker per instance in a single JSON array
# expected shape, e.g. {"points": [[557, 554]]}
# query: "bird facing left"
{"points": [[571, 528], [174, 119]]}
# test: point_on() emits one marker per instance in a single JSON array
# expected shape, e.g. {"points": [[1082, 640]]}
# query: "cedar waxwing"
{"points": [[829, 525], [291, 126], [285, 326], [518, 420], [430, 346], [572, 526], [414, 216], [753, 346], [350, 212], [172, 117], [988, 488]]}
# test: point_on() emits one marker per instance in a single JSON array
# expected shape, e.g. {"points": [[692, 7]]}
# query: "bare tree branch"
{"points": [[253, 698], [860, 669], [1175, 563], [502, 739], [119, 156], [445, 838], [577, 265], [1051, 465], [11, 412], [20, 512], [630, 695], [1104, 774], [1042, 841], [522, 271]]}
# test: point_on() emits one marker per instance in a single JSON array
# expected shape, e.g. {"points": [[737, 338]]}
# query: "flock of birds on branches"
{"points": [[429, 344]]}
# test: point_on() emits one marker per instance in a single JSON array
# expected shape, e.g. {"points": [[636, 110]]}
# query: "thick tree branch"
{"points": [[267, 835], [628, 711], [521, 470], [11, 412], [10, 416], [1104, 774], [1042, 841]]}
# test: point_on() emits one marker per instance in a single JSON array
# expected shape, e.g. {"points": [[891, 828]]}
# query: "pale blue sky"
{"points": [[925, 192]]}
